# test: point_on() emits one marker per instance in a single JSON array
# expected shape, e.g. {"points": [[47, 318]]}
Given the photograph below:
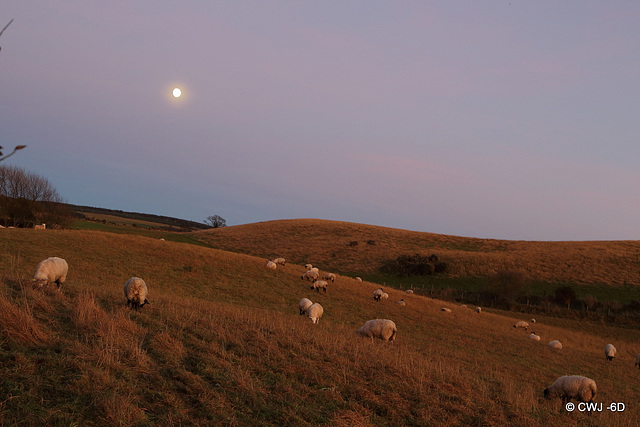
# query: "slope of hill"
{"points": [[362, 249], [222, 343]]}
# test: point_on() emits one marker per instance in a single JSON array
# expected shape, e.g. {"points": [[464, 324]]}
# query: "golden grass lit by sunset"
{"points": [[222, 342]]}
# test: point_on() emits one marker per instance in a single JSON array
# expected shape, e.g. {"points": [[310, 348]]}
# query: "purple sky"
{"points": [[496, 119]]}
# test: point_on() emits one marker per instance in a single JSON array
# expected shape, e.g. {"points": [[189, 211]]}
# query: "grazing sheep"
{"points": [[534, 337], [401, 302], [384, 295], [478, 310], [51, 270], [408, 291], [521, 324], [358, 279], [40, 227], [377, 294], [533, 320], [304, 304], [308, 266], [556, 344], [310, 275], [445, 309], [637, 360], [569, 387], [610, 352], [383, 329], [319, 284], [280, 261], [136, 292], [271, 265], [314, 312], [329, 276], [463, 306]]}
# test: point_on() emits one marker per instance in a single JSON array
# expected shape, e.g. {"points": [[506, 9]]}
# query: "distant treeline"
{"points": [[166, 220]]}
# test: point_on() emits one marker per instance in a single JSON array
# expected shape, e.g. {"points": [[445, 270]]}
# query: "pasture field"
{"points": [[359, 249], [222, 343]]}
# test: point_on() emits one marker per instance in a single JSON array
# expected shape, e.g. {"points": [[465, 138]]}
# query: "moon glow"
{"points": [[177, 92]]}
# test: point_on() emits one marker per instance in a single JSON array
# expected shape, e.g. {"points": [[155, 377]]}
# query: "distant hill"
{"points": [[181, 224], [351, 248]]}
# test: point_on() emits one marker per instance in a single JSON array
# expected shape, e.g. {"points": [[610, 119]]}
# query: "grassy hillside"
{"points": [[222, 343], [330, 244]]}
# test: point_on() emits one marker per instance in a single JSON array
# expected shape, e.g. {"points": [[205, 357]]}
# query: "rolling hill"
{"points": [[361, 249], [222, 342]]}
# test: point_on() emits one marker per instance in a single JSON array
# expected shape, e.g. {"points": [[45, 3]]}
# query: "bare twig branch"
{"points": [[18, 147]]}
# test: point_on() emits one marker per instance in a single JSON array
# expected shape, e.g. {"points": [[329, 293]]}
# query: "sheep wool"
{"points": [[304, 304], [136, 292], [445, 309], [534, 337], [610, 352], [521, 324], [358, 279], [556, 344], [478, 310], [310, 275], [377, 294], [408, 291], [280, 261], [570, 387], [329, 277], [319, 284], [314, 312], [51, 270], [383, 329], [271, 265]]}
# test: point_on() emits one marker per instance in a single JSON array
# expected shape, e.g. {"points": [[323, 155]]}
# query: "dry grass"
{"points": [[327, 243], [222, 344]]}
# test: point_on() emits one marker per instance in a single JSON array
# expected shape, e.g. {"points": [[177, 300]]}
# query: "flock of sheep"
{"points": [[383, 329], [54, 270]]}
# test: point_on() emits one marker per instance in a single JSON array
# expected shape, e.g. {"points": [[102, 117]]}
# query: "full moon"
{"points": [[177, 92]]}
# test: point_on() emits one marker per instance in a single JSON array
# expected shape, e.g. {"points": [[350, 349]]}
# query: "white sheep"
{"points": [[534, 337], [303, 305], [358, 279], [533, 320], [637, 360], [401, 302], [51, 270], [445, 309], [569, 387], [310, 275], [408, 291], [40, 227], [610, 352], [329, 277], [556, 344], [463, 306], [384, 295], [136, 292], [521, 324], [478, 310], [308, 266], [271, 265], [383, 329], [280, 261], [377, 294], [319, 284], [314, 312]]}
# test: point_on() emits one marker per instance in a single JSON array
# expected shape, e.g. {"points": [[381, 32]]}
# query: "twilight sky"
{"points": [[497, 119]]}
